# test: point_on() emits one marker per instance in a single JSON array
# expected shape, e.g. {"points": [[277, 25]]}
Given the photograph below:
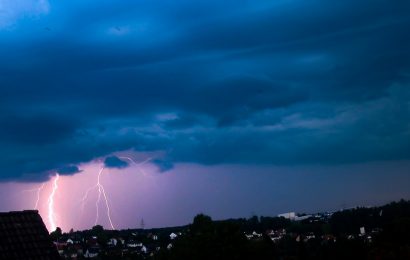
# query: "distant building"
{"points": [[23, 235], [134, 244], [253, 235], [300, 218], [289, 215], [112, 242]]}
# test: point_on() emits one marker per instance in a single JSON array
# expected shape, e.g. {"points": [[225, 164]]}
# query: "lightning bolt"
{"points": [[38, 190], [85, 197], [137, 164], [99, 196], [38, 195], [84, 200], [51, 214], [101, 193], [101, 188]]}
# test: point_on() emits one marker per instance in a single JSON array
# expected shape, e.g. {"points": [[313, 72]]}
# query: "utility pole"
{"points": [[142, 223]]}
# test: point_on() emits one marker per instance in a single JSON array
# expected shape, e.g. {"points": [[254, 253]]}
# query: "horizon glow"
{"points": [[175, 194]]}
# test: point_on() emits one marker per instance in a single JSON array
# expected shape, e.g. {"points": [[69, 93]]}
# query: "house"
{"points": [[23, 235], [152, 236], [277, 235], [256, 235], [91, 252], [61, 246], [275, 238], [133, 244], [362, 231], [253, 235], [172, 236], [310, 236], [112, 242], [279, 232]]}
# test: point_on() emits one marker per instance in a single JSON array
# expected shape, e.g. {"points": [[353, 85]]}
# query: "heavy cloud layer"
{"points": [[209, 82]]}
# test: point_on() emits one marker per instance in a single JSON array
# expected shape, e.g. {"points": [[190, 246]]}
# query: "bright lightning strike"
{"points": [[106, 204], [99, 197], [51, 214], [101, 193]]}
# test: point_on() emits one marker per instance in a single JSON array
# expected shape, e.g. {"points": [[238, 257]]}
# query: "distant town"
{"points": [[362, 232]]}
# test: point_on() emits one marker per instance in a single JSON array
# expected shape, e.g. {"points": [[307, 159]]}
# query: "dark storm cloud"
{"points": [[283, 82], [35, 129], [115, 162], [69, 169], [163, 165]]}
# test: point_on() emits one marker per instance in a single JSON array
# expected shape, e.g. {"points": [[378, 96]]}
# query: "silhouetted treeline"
{"points": [[207, 239], [387, 237], [338, 236]]}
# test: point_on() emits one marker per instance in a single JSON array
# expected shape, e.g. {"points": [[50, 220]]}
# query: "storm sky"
{"points": [[242, 93]]}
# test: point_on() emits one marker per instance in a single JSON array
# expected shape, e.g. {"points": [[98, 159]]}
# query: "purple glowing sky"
{"points": [[222, 191]]}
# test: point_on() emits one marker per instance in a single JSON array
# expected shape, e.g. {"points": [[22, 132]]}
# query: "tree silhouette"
{"points": [[56, 234]]}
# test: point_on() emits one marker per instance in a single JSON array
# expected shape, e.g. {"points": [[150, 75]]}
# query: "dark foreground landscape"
{"points": [[359, 233]]}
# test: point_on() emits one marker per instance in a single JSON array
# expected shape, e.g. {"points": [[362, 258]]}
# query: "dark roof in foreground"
{"points": [[23, 235]]}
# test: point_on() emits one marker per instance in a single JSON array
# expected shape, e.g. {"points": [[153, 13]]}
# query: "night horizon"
{"points": [[160, 110]]}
